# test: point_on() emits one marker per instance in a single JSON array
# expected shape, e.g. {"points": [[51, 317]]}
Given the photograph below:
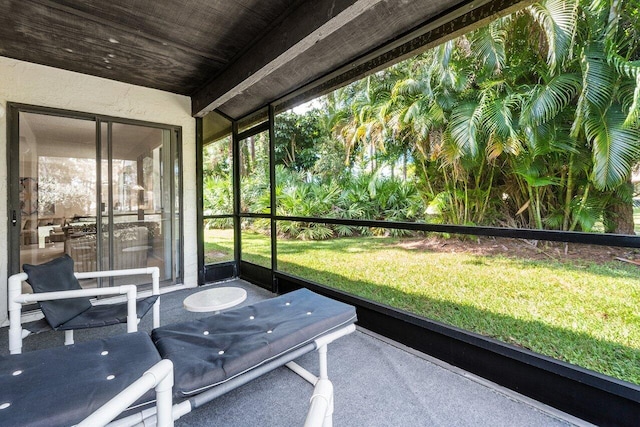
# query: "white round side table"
{"points": [[215, 299]]}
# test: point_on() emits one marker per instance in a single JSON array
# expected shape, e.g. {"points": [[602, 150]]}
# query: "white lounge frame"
{"points": [[320, 412], [17, 299], [160, 377]]}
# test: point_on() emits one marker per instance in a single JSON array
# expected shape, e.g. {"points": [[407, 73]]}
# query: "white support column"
{"points": [[322, 356], [15, 312], [132, 315], [321, 410], [155, 286], [68, 337]]}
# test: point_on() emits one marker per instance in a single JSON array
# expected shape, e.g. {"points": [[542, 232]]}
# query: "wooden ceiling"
{"points": [[231, 55]]}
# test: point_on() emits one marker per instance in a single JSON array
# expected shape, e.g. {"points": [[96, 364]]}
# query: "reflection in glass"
{"points": [[141, 198], [57, 171], [124, 222]]}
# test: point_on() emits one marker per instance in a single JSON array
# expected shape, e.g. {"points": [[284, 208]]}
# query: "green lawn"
{"points": [[583, 313]]}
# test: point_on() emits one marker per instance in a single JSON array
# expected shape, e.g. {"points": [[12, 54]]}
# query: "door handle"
{"points": [[14, 219]]}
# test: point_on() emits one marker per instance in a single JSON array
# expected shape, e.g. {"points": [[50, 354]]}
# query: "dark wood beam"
{"points": [[305, 26], [139, 32]]}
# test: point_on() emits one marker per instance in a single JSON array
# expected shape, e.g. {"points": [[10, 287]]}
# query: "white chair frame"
{"points": [[17, 299]]}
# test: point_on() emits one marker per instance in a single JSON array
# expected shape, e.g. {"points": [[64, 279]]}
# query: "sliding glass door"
{"points": [[102, 191]]}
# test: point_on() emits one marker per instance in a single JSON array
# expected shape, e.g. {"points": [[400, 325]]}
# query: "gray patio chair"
{"points": [[66, 306]]}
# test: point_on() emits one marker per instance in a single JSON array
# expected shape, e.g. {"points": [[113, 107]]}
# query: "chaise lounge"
{"points": [[209, 356]]}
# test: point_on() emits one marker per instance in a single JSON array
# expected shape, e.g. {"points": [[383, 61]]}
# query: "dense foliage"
{"points": [[532, 121]]}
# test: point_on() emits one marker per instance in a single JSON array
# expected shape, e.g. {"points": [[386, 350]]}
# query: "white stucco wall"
{"points": [[27, 83]]}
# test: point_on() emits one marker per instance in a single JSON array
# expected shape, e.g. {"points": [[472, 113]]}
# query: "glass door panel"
{"points": [[141, 199], [57, 189], [108, 199]]}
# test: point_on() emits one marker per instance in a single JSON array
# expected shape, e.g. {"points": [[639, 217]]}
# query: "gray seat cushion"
{"points": [[209, 351], [63, 385], [107, 314]]}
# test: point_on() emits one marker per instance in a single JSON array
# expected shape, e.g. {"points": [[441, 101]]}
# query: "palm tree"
{"points": [[546, 101]]}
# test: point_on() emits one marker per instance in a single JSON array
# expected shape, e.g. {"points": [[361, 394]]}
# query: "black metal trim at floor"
{"points": [[219, 271], [256, 274], [588, 395]]}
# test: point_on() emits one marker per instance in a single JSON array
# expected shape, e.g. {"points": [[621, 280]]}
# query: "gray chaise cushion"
{"points": [[209, 351], [57, 275], [61, 386]]}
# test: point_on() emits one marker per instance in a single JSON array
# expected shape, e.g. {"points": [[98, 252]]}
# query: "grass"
{"points": [[584, 313]]}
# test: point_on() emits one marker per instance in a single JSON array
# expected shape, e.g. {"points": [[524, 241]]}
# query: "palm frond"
{"points": [[624, 67], [633, 117], [495, 147], [498, 116], [599, 77], [489, 42], [465, 126], [586, 212], [413, 112], [562, 142], [443, 54], [547, 101], [538, 181], [558, 20], [615, 147], [408, 87]]}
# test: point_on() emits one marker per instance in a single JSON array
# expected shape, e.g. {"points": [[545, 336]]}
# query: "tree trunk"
{"points": [[371, 157], [404, 166], [619, 219], [618, 216], [252, 149]]}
